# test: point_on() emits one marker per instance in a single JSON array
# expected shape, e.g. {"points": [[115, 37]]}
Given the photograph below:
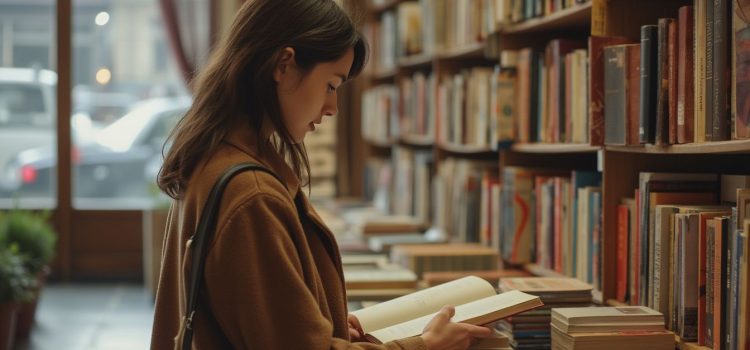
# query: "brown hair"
{"points": [[237, 84]]}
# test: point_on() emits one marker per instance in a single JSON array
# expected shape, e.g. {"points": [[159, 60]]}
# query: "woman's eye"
{"points": [[331, 88]]}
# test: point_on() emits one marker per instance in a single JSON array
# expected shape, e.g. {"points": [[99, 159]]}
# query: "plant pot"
{"points": [[7, 325], [27, 311]]}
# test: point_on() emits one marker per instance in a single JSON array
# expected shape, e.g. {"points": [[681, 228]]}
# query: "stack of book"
{"points": [[613, 328], [531, 329], [422, 258], [497, 341]]}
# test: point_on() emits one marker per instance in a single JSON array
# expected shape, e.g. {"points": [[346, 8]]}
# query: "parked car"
{"points": [[120, 162], [27, 110]]}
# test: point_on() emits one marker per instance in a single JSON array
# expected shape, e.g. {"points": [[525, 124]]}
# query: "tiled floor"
{"points": [[92, 317]]}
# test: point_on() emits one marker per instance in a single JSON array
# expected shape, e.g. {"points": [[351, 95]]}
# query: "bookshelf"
{"points": [[575, 16], [562, 157], [555, 148]]}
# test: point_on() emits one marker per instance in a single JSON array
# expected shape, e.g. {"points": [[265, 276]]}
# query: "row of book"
{"points": [[428, 27], [553, 218], [402, 183], [682, 243], [514, 11], [473, 107], [529, 215], [684, 82]]}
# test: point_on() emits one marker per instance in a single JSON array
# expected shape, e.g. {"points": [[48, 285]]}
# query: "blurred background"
{"points": [[89, 91]]}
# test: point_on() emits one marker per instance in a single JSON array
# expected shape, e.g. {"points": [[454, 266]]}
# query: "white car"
{"points": [[27, 110]]}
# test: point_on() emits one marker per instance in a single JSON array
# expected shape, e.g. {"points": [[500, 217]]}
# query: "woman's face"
{"points": [[306, 98]]}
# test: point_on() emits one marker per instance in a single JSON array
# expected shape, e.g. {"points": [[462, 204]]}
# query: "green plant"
{"points": [[16, 284], [33, 236]]}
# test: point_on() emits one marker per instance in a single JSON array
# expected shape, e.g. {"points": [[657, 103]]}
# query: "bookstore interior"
{"points": [[574, 173]]}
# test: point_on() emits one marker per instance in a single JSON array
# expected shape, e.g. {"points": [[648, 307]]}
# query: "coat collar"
{"points": [[245, 139]]}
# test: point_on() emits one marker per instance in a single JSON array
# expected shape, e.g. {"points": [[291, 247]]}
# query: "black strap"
{"points": [[202, 239]]}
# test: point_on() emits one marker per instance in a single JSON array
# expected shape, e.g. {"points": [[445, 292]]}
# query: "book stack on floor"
{"points": [[498, 341], [531, 330], [422, 258], [611, 328], [370, 277]]}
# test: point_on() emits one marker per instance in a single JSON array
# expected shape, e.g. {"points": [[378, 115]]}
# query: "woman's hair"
{"points": [[237, 84]]}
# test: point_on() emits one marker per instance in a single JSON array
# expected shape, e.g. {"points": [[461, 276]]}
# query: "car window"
{"points": [[23, 105]]}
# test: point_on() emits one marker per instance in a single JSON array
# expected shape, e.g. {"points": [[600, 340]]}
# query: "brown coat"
{"points": [[273, 279]]}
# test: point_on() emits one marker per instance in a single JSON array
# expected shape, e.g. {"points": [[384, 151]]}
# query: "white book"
{"points": [[475, 300]]}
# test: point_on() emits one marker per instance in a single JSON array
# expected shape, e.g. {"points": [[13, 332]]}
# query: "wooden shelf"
{"points": [[387, 5], [680, 344], [554, 148], [384, 74], [466, 149], [380, 143], [415, 61], [719, 147], [474, 50], [417, 140], [576, 16]]}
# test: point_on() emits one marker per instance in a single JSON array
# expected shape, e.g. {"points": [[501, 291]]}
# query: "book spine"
{"points": [[708, 329], [685, 76], [726, 276], [699, 92], [672, 92], [708, 91], [649, 68], [633, 93], [622, 252], [721, 70], [662, 88], [614, 95]]}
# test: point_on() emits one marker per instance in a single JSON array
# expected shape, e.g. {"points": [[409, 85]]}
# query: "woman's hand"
{"points": [[356, 334], [442, 334]]}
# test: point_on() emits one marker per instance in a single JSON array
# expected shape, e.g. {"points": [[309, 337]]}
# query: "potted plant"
{"points": [[35, 240], [15, 288]]}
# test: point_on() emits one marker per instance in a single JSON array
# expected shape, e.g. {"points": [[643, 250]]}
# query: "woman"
{"points": [[273, 277]]}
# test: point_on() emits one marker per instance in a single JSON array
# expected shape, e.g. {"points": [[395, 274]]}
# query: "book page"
{"points": [[423, 302], [477, 312]]}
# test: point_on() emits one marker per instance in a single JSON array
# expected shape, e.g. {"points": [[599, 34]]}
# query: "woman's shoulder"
{"points": [[246, 186]]}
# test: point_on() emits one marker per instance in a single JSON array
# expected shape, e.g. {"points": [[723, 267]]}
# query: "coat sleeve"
{"points": [[256, 286]]}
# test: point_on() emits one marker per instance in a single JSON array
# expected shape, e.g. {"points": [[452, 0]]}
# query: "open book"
{"points": [[475, 300]]}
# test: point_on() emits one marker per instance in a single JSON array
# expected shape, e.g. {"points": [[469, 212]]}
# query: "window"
{"points": [[27, 100]]}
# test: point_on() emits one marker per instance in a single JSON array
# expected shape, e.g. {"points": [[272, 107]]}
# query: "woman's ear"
{"points": [[284, 63]]}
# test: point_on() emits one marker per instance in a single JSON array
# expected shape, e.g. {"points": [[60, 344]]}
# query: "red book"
{"points": [[622, 252]]}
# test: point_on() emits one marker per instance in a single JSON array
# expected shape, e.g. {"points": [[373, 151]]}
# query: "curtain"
{"points": [[190, 26]]}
